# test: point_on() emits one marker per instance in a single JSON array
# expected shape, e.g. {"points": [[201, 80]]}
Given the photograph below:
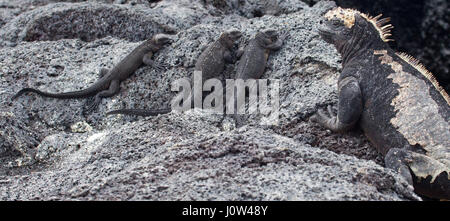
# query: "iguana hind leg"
{"points": [[395, 159], [429, 176], [113, 89]]}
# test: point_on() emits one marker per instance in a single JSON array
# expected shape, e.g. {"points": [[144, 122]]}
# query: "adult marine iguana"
{"points": [[109, 83], [398, 103], [211, 63]]}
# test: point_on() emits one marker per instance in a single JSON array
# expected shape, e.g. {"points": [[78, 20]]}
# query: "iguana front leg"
{"points": [[277, 44], [228, 57], [240, 52], [349, 107], [103, 72], [147, 60]]}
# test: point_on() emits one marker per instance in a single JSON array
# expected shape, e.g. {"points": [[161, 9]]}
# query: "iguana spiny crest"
{"points": [[348, 17]]}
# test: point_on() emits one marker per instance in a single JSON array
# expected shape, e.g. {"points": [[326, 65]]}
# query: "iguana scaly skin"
{"points": [[109, 83], [211, 63], [396, 101]]}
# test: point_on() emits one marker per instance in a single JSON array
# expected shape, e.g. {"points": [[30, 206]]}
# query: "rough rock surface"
{"points": [[50, 150], [187, 157]]}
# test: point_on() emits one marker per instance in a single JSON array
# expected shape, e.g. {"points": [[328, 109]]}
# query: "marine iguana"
{"points": [[253, 58], [109, 82], [213, 59], [211, 63], [398, 103]]}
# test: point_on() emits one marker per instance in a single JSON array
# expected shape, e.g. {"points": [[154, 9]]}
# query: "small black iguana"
{"points": [[211, 63], [109, 83], [253, 58], [396, 101]]}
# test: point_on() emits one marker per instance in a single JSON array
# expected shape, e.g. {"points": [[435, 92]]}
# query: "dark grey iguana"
{"points": [[253, 58], [213, 59], [109, 83], [396, 101], [211, 63]]}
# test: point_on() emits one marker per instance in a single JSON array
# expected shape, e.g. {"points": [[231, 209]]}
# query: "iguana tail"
{"points": [[140, 112], [67, 95]]}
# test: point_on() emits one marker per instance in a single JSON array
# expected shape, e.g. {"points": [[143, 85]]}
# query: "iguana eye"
{"points": [[336, 22]]}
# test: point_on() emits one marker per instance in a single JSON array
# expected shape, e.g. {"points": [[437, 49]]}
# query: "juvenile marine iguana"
{"points": [[253, 58], [211, 63], [398, 103], [109, 83]]}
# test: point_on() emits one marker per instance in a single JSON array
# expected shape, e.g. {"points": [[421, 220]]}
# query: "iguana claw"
{"points": [[91, 105]]}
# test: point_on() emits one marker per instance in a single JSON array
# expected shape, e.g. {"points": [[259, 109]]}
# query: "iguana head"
{"points": [[266, 36], [162, 39], [228, 38], [271, 33], [349, 27], [233, 34]]}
